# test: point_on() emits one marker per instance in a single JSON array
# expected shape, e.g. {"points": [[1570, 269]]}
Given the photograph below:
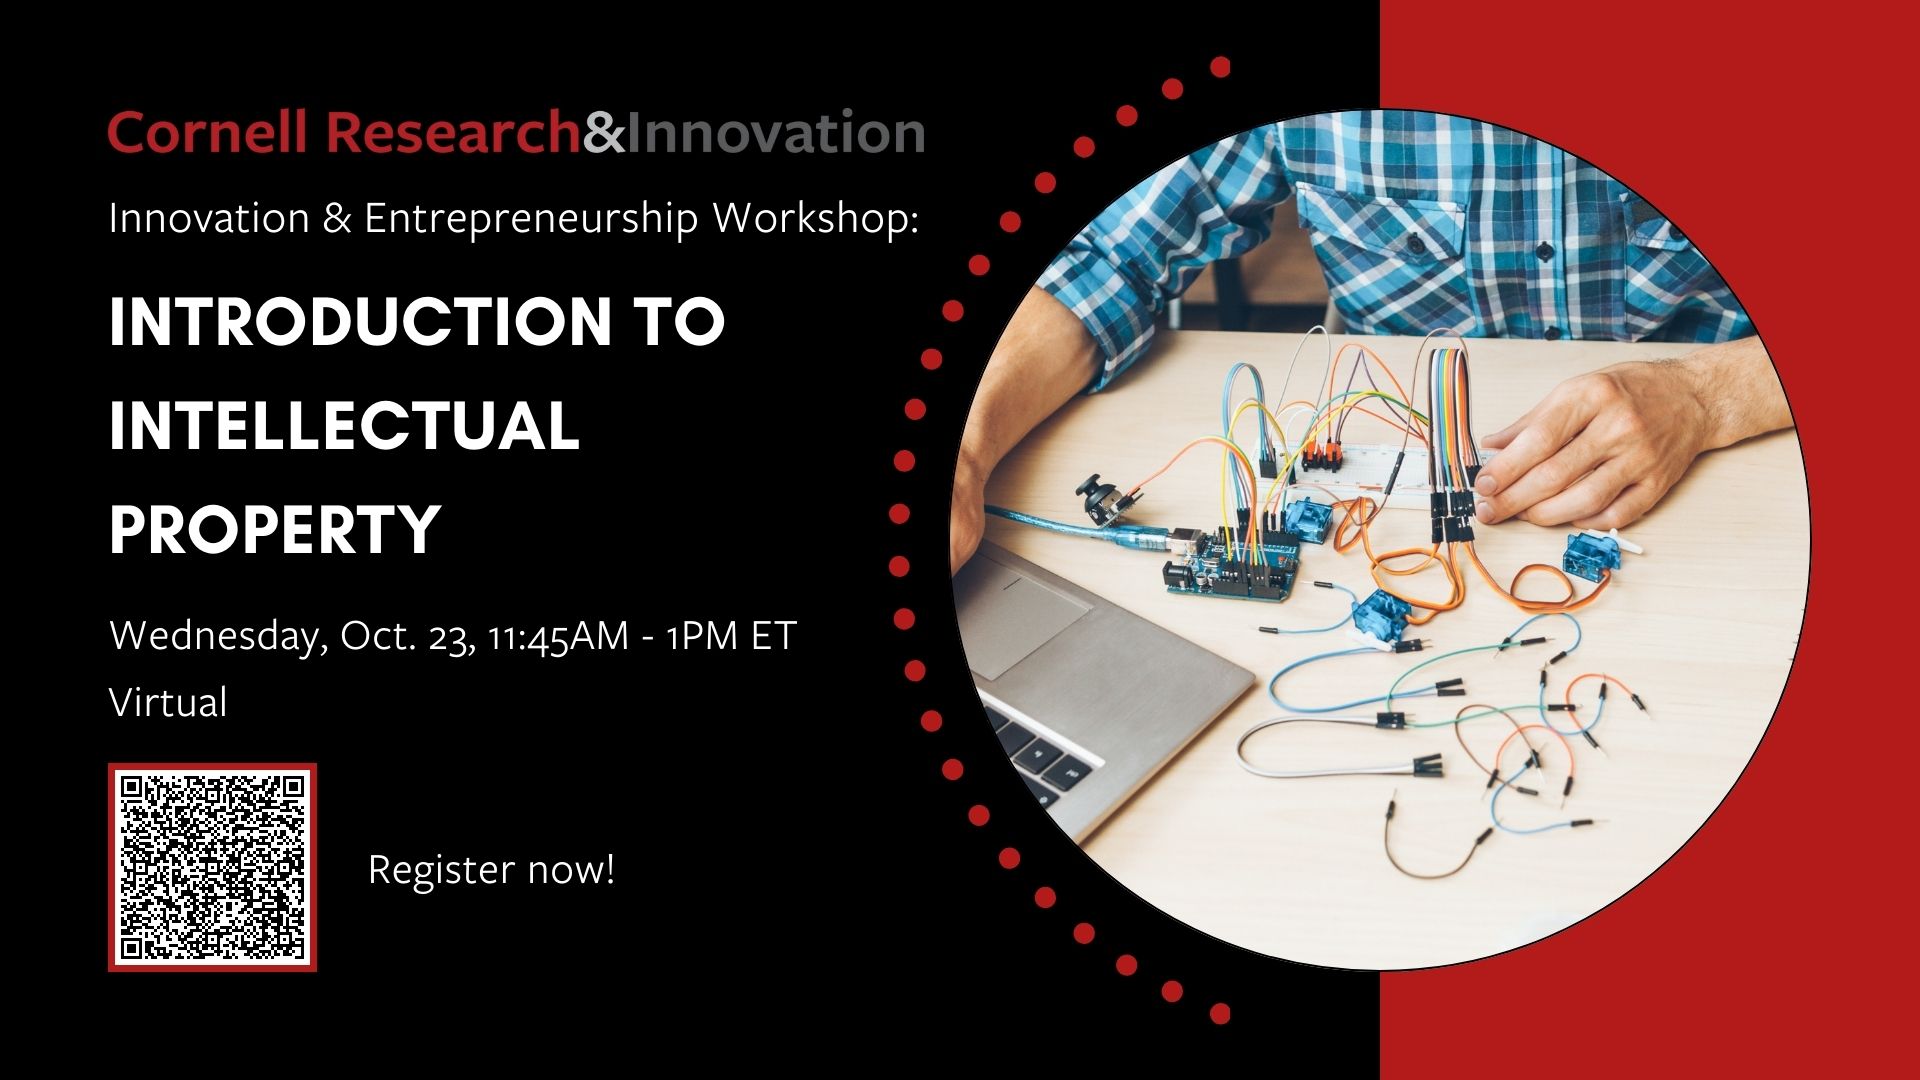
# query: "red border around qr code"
{"points": [[313, 864]]}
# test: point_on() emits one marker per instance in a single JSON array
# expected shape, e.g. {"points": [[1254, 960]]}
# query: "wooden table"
{"points": [[1703, 626]]}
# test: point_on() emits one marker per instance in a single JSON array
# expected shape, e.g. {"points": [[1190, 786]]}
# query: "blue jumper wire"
{"points": [[1393, 692]]}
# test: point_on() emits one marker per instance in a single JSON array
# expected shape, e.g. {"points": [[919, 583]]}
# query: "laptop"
{"points": [[1088, 700]]}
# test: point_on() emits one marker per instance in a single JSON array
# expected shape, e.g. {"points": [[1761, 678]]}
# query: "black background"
{"points": [[788, 858]]}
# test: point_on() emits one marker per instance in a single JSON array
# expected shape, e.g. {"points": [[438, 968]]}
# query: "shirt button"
{"points": [[1545, 251], [1553, 333], [1416, 245]]}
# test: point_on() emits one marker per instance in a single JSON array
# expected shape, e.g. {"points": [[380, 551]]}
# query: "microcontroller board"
{"points": [[1250, 571]]}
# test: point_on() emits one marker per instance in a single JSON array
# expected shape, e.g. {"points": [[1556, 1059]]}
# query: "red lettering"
{"points": [[113, 132], [343, 130], [440, 136], [526, 133], [409, 136], [561, 127], [289, 135]]}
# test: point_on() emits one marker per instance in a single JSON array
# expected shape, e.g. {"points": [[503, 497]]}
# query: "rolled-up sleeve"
{"points": [[1145, 249]]}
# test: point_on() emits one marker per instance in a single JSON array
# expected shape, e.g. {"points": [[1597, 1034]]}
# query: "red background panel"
{"points": [[1780, 938]]}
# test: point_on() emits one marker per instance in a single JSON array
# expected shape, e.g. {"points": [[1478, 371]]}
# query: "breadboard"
{"points": [[1364, 469]]}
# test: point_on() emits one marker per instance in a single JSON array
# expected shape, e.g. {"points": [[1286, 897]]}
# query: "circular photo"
{"points": [[1379, 539]]}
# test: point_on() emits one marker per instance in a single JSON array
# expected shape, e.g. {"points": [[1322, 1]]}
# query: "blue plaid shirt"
{"points": [[1420, 220]]}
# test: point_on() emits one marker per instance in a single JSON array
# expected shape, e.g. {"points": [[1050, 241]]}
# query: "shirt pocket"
{"points": [[1662, 271], [1392, 265], [1658, 234], [1411, 230]]}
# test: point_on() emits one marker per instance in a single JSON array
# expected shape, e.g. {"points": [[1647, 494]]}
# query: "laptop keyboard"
{"points": [[1048, 771]]}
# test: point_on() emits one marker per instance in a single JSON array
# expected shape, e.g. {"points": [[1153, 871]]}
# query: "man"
{"points": [[1421, 221]]}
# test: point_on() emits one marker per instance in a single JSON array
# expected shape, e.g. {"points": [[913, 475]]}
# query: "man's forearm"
{"points": [[1042, 361], [1738, 390]]}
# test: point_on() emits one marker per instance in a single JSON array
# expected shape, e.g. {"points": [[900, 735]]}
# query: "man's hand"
{"points": [[1604, 447]]}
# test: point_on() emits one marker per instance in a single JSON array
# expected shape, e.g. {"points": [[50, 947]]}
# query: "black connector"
{"points": [[1423, 767], [1483, 836], [1543, 676], [1451, 691], [1269, 629], [1437, 511], [1580, 822], [1323, 585], [1408, 645], [1526, 791], [1269, 464], [1493, 778], [1557, 657], [1390, 720], [1473, 474], [1459, 516], [1532, 641], [1561, 706], [1504, 642], [1390, 809], [1603, 690], [1533, 758], [1426, 757], [1591, 741], [1444, 683], [1104, 503], [1568, 790], [1392, 475], [1641, 705]]}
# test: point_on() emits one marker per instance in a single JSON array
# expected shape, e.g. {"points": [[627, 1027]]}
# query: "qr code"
{"points": [[211, 867]]}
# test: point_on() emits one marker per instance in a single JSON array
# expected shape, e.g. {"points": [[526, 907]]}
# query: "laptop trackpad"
{"points": [[1004, 616]]}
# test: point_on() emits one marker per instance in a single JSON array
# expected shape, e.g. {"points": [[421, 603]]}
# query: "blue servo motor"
{"points": [[1308, 520], [1381, 617], [1590, 556]]}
